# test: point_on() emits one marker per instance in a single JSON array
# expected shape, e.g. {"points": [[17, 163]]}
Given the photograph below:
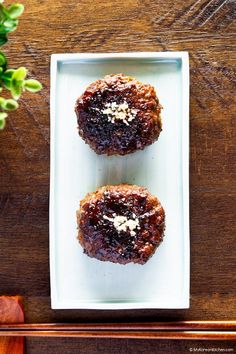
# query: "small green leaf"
{"points": [[8, 73], [17, 81], [3, 38], [19, 74], [2, 100], [15, 10], [4, 12], [3, 117], [32, 85], [6, 77], [7, 84], [3, 60], [16, 89], [2, 124], [10, 105], [10, 25], [8, 20]]}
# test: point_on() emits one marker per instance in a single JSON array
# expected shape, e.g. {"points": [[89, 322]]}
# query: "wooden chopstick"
{"points": [[199, 330]]}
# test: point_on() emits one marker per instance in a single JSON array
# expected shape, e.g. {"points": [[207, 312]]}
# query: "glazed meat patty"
{"points": [[120, 224], [118, 115]]}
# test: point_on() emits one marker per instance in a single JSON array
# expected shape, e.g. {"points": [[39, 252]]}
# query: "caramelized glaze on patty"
{"points": [[120, 224], [118, 115]]}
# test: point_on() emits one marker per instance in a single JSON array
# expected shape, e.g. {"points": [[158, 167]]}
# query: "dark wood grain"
{"points": [[116, 346], [207, 30]]}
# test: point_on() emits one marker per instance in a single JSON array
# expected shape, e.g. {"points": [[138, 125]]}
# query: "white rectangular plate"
{"points": [[80, 282]]}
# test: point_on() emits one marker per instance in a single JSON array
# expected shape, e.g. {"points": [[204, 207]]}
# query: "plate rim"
{"points": [[56, 303]]}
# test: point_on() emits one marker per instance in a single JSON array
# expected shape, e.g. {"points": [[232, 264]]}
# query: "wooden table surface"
{"points": [[204, 28]]}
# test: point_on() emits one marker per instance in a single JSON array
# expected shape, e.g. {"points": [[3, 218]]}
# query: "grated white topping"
{"points": [[120, 111], [122, 223]]}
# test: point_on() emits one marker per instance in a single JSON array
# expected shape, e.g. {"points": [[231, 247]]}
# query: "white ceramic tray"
{"points": [[80, 282]]}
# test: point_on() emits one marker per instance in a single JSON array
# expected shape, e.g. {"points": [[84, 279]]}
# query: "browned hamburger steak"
{"points": [[120, 224], [118, 115]]}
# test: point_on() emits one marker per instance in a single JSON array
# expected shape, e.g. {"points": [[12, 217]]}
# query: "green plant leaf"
{"points": [[2, 124], [6, 77], [17, 81], [10, 105], [8, 73], [8, 20], [3, 60], [3, 38], [16, 89], [32, 85], [2, 100], [12, 79], [3, 117], [19, 74], [15, 10], [10, 25]]}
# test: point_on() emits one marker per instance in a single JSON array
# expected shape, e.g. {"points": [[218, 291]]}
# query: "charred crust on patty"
{"points": [[120, 224], [118, 115]]}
